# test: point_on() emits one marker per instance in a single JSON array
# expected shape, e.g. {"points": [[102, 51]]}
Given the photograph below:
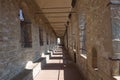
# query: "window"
{"points": [[21, 15], [73, 3], [41, 36], [82, 34], [47, 38], [115, 16], [94, 58], [26, 35], [58, 41]]}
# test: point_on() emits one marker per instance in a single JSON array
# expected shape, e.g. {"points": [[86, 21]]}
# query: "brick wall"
{"points": [[13, 57], [98, 35]]}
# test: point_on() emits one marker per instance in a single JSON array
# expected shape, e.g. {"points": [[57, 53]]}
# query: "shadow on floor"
{"points": [[65, 66], [56, 58], [59, 67]]}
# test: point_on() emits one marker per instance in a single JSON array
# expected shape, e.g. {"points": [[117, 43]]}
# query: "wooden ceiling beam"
{"points": [[55, 22], [65, 12], [55, 16], [56, 8], [57, 27]]}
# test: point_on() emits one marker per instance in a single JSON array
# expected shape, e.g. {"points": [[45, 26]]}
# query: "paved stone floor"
{"points": [[59, 67]]}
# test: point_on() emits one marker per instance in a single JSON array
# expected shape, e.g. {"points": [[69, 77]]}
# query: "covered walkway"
{"points": [[87, 30]]}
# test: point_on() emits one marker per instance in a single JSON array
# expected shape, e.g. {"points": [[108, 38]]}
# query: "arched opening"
{"points": [[115, 18], [58, 41], [25, 25]]}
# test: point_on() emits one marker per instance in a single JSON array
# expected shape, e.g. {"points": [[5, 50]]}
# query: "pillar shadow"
{"points": [[70, 71]]}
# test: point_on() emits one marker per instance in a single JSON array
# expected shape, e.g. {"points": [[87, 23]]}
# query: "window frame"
{"points": [[82, 34]]}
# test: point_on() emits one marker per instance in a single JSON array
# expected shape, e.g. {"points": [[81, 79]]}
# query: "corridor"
{"points": [[59, 67], [87, 32]]}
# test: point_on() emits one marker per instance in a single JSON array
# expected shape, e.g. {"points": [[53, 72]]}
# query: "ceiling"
{"points": [[115, 1], [56, 11]]}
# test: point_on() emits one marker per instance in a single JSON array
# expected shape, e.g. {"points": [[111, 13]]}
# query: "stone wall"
{"points": [[98, 36], [14, 57], [115, 17]]}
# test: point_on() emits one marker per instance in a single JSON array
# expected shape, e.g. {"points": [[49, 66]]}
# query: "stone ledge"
{"points": [[29, 74], [116, 77]]}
